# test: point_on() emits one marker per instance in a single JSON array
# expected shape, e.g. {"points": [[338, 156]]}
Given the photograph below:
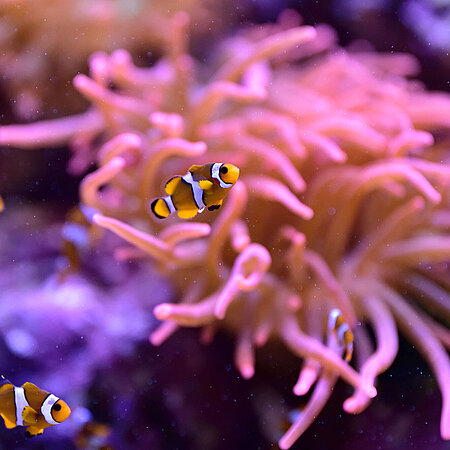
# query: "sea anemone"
{"points": [[45, 43], [342, 202]]}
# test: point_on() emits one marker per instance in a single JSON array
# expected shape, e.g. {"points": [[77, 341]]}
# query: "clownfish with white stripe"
{"points": [[338, 325], [30, 407], [202, 187]]}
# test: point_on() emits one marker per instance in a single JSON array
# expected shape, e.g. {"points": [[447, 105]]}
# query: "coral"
{"points": [[45, 43], [343, 200]]}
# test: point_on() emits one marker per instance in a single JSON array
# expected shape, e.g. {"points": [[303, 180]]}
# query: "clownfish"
{"points": [[338, 325], [30, 407], [201, 187], [2, 204]]}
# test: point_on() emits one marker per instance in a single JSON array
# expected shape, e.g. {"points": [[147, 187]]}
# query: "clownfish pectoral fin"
{"points": [[194, 167], [8, 423], [187, 213], [29, 415], [33, 431], [172, 184], [205, 184]]}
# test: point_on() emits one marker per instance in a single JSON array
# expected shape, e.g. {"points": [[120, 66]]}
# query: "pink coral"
{"points": [[343, 200]]}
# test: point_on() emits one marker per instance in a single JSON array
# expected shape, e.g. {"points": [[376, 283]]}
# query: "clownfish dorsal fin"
{"points": [[8, 423], [205, 184], [29, 415], [194, 167], [172, 184], [31, 390]]}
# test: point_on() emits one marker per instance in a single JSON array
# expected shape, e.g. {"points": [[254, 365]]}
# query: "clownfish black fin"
{"points": [[8, 423], [194, 167], [33, 431], [216, 206], [29, 415], [172, 184], [187, 213], [160, 209], [205, 184]]}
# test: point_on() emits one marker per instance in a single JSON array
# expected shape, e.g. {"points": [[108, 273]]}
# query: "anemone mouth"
{"points": [[343, 204]]}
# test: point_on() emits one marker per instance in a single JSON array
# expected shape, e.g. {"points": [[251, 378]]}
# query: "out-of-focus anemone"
{"points": [[343, 199], [45, 43]]}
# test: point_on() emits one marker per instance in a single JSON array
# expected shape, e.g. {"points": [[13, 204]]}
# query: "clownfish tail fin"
{"points": [[160, 208], [5, 384]]}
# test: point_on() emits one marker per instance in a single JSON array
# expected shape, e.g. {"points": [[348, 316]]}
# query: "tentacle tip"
{"points": [[155, 340], [80, 80], [132, 140], [371, 391], [247, 371], [445, 434], [162, 311], [121, 56], [300, 390], [97, 219], [219, 313], [349, 406], [283, 444], [436, 198], [445, 424]]}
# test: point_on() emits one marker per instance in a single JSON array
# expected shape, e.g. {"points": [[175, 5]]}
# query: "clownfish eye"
{"points": [[223, 170], [56, 407]]}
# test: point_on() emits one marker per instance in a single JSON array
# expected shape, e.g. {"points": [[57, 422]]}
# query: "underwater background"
{"points": [[103, 101]]}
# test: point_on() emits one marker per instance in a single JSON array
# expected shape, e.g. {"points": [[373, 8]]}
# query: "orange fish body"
{"points": [[202, 187], [30, 407]]}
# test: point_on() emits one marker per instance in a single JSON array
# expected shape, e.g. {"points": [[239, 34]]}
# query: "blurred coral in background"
{"points": [[46, 42], [343, 203]]}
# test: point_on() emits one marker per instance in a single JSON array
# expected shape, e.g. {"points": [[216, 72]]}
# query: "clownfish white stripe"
{"points": [[341, 330], [196, 189], [334, 314], [215, 173], [21, 402], [46, 409], [169, 203]]}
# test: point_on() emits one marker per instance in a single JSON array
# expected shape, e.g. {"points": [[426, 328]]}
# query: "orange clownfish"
{"points": [[2, 204], [30, 407], [202, 187], [338, 325]]}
